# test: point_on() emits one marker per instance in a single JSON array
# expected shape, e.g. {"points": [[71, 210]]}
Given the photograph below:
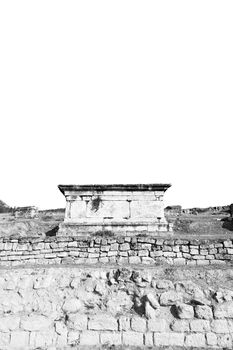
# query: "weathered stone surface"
{"points": [[164, 284], [219, 326], [195, 340], [111, 338], [35, 323], [158, 325], [19, 339], [72, 305], [108, 209], [203, 312], [4, 340], [152, 299], [170, 298], [168, 339], [224, 310], [132, 338], [151, 312], [73, 338], [9, 323], [77, 321], [138, 324], [89, 338], [211, 339], [184, 311], [149, 339], [103, 322], [180, 326], [225, 341], [124, 323], [200, 326]]}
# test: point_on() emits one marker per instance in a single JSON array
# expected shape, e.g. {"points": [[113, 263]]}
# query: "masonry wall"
{"points": [[69, 306], [120, 250]]}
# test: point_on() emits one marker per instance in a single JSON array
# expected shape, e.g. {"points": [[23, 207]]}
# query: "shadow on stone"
{"points": [[174, 311], [52, 232], [227, 223]]}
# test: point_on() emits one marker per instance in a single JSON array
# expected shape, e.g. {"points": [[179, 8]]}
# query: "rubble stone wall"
{"points": [[120, 250], [76, 306]]}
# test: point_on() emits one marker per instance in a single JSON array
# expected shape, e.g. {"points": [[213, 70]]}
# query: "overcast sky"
{"points": [[116, 92]]}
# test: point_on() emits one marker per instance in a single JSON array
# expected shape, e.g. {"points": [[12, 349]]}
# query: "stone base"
{"points": [[119, 229]]}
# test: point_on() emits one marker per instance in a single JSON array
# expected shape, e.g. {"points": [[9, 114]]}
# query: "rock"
{"points": [[88, 338], [170, 298], [132, 338], [103, 322], [151, 298], [203, 312], [124, 323], [119, 302], [211, 339], [123, 274], [35, 323], [169, 339], [200, 326], [75, 283], [73, 338], [164, 284], [195, 340], [77, 322], [225, 341], [9, 323], [224, 310], [136, 277], [19, 340], [219, 326], [138, 324], [72, 305], [100, 288], [184, 311], [180, 326], [150, 312], [60, 328], [158, 325]]}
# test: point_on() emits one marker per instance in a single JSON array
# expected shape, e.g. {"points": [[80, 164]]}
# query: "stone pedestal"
{"points": [[120, 209]]}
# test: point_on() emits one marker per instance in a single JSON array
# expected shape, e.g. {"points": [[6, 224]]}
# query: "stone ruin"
{"points": [[138, 287], [29, 212], [122, 209]]}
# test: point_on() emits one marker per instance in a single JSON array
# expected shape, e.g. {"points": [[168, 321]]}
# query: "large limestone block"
{"points": [[76, 209], [89, 338], [35, 323], [132, 338], [108, 209], [9, 323], [19, 339], [224, 310], [169, 339], [103, 322], [146, 209], [196, 340]]}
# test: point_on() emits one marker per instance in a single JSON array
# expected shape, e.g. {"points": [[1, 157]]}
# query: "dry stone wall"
{"points": [[120, 250], [58, 307]]}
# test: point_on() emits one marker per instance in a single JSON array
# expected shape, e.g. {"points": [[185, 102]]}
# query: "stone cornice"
{"points": [[115, 187]]}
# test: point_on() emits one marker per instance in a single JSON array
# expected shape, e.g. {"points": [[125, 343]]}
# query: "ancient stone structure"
{"points": [[78, 308], [121, 209], [26, 212], [115, 277], [141, 250]]}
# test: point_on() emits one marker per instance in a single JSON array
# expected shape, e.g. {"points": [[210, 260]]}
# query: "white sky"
{"points": [[116, 92]]}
